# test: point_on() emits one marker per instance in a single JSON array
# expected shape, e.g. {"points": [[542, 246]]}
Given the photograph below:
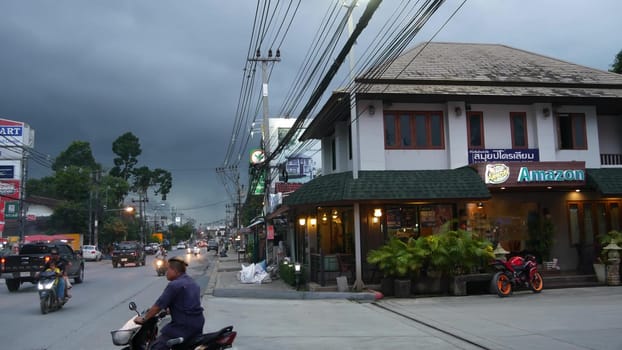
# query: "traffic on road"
{"points": [[574, 318]]}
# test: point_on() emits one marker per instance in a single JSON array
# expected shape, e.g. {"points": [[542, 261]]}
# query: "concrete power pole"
{"points": [[266, 134]]}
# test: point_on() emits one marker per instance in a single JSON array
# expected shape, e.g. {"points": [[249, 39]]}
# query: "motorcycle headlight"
{"points": [[46, 284], [159, 263]]}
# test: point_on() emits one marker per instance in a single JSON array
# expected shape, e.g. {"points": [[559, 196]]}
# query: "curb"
{"points": [[296, 295]]}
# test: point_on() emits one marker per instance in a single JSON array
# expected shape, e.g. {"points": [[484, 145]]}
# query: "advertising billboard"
{"points": [[14, 136]]}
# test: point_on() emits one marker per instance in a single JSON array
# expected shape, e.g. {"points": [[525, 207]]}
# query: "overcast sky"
{"points": [[170, 71]]}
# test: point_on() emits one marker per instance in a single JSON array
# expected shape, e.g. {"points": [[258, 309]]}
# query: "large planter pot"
{"points": [[387, 286], [600, 270], [430, 285], [402, 288]]}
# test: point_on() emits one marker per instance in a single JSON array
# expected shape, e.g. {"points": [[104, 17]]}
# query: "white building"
{"points": [[496, 138]]}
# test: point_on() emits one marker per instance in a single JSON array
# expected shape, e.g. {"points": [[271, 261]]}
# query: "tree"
{"points": [[127, 148], [143, 178], [78, 154], [616, 67]]}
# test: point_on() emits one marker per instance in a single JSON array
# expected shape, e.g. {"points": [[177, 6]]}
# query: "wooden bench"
{"points": [[458, 285]]}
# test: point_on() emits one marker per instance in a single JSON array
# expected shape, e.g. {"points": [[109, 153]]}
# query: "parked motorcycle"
{"points": [[161, 265], [48, 298], [134, 336], [517, 272]]}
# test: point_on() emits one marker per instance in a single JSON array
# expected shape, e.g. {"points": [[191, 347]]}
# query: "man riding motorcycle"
{"points": [[61, 264], [182, 298]]}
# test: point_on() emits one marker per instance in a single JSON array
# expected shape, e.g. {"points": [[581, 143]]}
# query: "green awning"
{"points": [[608, 181], [461, 183]]}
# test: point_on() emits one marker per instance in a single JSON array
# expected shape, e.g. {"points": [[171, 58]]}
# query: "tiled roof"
{"points": [[488, 70], [489, 63], [391, 185], [608, 181]]}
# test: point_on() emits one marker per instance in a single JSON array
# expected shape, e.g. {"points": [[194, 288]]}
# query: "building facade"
{"points": [[514, 146]]}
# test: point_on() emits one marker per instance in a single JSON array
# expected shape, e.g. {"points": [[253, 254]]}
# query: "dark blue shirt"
{"points": [[182, 297]]}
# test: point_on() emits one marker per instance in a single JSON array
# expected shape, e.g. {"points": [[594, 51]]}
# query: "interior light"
{"points": [[313, 221], [377, 212], [302, 221]]}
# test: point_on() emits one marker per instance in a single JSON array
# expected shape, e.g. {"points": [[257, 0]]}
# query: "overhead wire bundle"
{"points": [[320, 66]]}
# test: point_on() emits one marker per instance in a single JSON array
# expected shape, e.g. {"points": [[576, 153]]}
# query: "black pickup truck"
{"points": [[128, 252], [17, 269]]}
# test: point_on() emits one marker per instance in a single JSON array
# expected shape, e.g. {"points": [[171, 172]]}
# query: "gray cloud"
{"points": [[170, 71]]}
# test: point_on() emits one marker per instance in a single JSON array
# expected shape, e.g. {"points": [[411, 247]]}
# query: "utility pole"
{"points": [[266, 133]]}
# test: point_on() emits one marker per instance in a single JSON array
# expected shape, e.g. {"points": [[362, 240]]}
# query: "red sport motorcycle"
{"points": [[517, 272]]}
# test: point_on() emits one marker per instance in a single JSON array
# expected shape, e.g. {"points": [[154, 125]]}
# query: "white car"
{"points": [[90, 252]]}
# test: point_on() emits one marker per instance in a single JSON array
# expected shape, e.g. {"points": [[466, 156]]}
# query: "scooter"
{"points": [[48, 298], [134, 336], [161, 265]]}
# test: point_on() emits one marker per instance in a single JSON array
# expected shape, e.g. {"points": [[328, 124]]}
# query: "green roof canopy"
{"points": [[461, 183]]}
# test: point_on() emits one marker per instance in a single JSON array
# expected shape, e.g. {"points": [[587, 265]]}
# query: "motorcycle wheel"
{"points": [[536, 283], [45, 304], [503, 285]]}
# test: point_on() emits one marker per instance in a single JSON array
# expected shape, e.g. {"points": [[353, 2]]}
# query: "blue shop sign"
{"points": [[7, 171], [504, 155]]}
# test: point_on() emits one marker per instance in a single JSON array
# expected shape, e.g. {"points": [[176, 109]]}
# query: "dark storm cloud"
{"points": [[170, 71]]}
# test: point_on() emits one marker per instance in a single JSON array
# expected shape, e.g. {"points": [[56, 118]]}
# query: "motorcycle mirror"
{"points": [[132, 306]]}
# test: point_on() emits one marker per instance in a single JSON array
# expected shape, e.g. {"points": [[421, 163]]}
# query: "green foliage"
{"points": [[397, 258], [447, 253], [288, 274], [78, 154], [70, 217], [73, 184], [181, 233], [616, 67], [127, 148], [44, 187]]}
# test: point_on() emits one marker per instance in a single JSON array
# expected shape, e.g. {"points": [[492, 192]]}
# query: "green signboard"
{"points": [[11, 210]]}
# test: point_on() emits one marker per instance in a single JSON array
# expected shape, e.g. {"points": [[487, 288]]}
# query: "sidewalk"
{"points": [[223, 282]]}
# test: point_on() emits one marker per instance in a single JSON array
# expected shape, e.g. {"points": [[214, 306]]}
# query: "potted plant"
{"points": [[397, 261], [453, 253]]}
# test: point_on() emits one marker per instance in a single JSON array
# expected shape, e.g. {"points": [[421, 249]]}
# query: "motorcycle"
{"points": [[135, 336], [517, 272], [161, 265], [48, 298]]}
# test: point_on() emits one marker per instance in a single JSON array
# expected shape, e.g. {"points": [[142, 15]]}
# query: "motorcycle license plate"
{"points": [[123, 259], [24, 274]]}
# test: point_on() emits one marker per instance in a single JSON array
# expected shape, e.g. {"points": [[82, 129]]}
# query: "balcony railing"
{"points": [[611, 159]]}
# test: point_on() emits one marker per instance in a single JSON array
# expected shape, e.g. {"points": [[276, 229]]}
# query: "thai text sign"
{"points": [[504, 155]]}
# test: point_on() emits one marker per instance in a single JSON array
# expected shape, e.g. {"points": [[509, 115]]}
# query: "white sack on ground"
{"points": [[253, 274]]}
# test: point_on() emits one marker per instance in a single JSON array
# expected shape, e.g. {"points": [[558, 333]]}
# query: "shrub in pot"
{"points": [[397, 260]]}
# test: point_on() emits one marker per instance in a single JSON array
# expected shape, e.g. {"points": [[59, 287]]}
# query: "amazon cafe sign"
{"points": [[532, 174]]}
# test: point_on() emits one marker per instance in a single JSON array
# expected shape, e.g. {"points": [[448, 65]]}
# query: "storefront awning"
{"points": [[608, 181], [461, 183]]}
